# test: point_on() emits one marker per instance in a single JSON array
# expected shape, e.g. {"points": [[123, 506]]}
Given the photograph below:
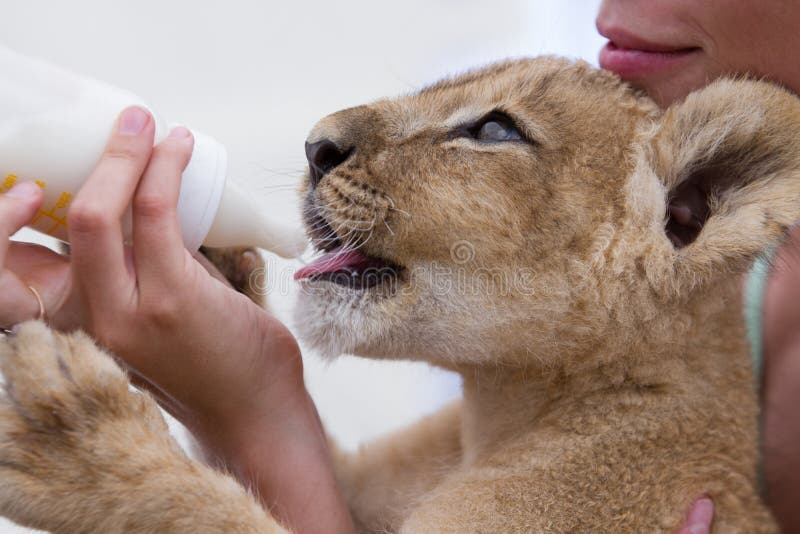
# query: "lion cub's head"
{"points": [[536, 210]]}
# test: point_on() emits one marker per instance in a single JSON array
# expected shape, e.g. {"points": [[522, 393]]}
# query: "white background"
{"points": [[258, 74]]}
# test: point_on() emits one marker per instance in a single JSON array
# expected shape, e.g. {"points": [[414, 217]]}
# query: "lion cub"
{"points": [[537, 226]]}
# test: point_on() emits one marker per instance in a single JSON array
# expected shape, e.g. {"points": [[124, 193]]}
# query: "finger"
{"points": [[158, 244], [94, 217], [699, 518], [17, 208], [17, 302], [44, 269]]}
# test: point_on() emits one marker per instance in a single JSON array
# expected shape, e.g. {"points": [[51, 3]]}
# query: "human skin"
{"points": [[160, 311], [669, 48]]}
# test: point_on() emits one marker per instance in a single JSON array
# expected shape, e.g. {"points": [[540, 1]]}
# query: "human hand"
{"points": [[223, 366], [32, 273], [23, 265], [152, 303]]}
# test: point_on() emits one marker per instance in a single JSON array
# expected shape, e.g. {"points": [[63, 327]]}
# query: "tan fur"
{"points": [[607, 379], [81, 452]]}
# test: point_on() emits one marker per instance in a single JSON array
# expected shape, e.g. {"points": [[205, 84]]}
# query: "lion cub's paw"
{"points": [[68, 424]]}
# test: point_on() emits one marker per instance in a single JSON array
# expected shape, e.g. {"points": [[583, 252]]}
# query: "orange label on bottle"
{"points": [[48, 219], [56, 214], [9, 182]]}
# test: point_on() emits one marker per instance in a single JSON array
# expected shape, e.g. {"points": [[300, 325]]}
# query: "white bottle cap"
{"points": [[201, 189]]}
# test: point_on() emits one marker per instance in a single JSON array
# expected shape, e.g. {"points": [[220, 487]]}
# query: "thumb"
{"points": [[17, 208]]}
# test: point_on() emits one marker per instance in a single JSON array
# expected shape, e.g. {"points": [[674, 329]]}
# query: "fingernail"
{"points": [[133, 121], [698, 529], [24, 190], [179, 132]]}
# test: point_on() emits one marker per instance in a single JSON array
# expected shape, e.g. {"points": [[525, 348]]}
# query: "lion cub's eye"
{"points": [[495, 127], [494, 130]]}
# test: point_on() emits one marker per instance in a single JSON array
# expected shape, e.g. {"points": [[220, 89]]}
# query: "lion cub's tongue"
{"points": [[336, 260]]}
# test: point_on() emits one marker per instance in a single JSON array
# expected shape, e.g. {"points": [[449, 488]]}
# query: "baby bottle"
{"points": [[53, 128]]}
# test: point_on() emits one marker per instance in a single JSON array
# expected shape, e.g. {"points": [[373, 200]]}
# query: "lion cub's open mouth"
{"points": [[340, 263], [349, 268]]}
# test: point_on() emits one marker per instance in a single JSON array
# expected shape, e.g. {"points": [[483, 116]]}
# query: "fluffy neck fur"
{"points": [[503, 404]]}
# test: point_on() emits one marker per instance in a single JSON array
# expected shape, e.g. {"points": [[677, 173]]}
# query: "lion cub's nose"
{"points": [[323, 156]]}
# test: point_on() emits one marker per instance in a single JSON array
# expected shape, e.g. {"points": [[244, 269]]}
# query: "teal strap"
{"points": [[754, 290]]}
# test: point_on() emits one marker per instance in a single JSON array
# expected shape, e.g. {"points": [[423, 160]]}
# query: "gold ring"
{"points": [[42, 313]]}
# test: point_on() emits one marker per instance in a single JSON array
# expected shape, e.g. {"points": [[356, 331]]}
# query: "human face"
{"points": [[672, 47]]}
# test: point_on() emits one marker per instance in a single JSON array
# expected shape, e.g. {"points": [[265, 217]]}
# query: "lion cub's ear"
{"points": [[729, 158]]}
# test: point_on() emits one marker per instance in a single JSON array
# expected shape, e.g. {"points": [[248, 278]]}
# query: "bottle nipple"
{"points": [[239, 222]]}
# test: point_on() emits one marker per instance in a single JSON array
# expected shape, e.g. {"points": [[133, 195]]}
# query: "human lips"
{"points": [[634, 58]]}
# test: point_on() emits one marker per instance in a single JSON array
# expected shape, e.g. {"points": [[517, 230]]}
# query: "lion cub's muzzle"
{"points": [[343, 261]]}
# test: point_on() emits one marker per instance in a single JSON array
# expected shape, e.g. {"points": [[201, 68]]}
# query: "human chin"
{"points": [[671, 86]]}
